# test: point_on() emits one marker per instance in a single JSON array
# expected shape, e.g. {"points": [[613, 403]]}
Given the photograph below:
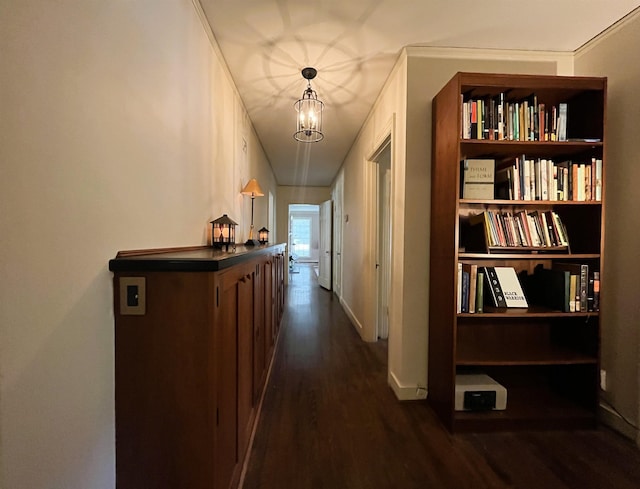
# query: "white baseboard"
{"points": [[352, 316], [612, 419], [406, 393]]}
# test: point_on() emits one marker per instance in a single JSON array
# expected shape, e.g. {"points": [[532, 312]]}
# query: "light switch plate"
{"points": [[132, 301]]}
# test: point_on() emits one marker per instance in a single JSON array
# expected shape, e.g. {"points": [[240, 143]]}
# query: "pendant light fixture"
{"points": [[309, 112]]}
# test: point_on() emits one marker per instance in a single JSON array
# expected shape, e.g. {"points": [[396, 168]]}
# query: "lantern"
{"points": [[223, 232], [263, 235]]}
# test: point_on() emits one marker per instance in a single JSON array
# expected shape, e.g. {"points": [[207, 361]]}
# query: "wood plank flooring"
{"points": [[329, 420]]}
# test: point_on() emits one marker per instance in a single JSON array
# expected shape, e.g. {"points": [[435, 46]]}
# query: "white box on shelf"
{"points": [[479, 392]]}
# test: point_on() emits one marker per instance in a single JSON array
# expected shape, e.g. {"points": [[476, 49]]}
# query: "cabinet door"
{"points": [[245, 359], [259, 344], [164, 414], [268, 309], [226, 368], [279, 285]]}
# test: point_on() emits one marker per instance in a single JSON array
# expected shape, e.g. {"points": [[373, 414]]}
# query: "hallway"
{"points": [[329, 420]]}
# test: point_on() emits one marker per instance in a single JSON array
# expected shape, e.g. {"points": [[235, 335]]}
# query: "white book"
{"points": [[501, 117], [598, 180], [479, 178], [544, 180], [533, 231], [517, 194], [511, 288], [580, 182], [562, 122], [538, 181], [527, 180], [552, 183], [532, 180]]}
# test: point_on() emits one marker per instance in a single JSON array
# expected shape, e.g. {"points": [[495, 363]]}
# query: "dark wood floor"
{"points": [[329, 420]]}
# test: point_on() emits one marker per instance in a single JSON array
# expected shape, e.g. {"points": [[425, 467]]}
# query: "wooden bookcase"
{"points": [[548, 360]]}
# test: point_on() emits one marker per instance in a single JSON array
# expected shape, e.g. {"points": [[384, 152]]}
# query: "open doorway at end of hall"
{"points": [[304, 235]]}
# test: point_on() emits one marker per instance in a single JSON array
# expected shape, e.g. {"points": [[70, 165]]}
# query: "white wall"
{"points": [[120, 129], [406, 100], [611, 55]]}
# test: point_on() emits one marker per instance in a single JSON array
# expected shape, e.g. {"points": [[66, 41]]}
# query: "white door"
{"points": [[384, 251], [324, 253], [337, 234]]}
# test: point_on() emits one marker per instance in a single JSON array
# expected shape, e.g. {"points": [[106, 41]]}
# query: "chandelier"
{"points": [[309, 112]]}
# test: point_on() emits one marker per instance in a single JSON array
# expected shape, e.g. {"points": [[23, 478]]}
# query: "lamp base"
{"points": [[252, 242]]}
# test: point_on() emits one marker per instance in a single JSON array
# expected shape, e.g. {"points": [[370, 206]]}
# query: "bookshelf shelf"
{"points": [[491, 312], [552, 411], [473, 148], [546, 358], [470, 355], [528, 203], [530, 256]]}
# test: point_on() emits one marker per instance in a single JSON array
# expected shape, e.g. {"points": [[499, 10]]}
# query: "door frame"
{"points": [[382, 260]]}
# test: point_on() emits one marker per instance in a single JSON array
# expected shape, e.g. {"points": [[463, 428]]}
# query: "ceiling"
{"points": [[354, 43]]}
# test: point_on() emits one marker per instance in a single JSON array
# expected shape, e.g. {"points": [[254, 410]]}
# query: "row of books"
{"points": [[543, 179], [537, 229], [495, 118], [566, 287], [494, 286]]}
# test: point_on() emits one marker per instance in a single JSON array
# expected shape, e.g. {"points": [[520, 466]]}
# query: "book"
{"points": [[494, 290], [562, 122], [478, 179], [473, 285], [574, 295], [459, 289], [597, 191], [596, 291], [504, 287], [465, 288], [581, 271], [480, 291], [476, 240]]}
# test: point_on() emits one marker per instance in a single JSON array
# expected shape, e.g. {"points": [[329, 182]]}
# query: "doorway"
{"points": [[304, 235], [382, 159]]}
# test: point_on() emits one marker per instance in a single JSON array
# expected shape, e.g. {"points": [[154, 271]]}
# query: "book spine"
{"points": [[584, 287], [532, 180], [552, 173], [474, 120], [473, 284], [598, 180], [572, 293], [562, 122], [596, 291], [459, 289], [494, 287], [480, 292], [590, 294], [501, 117], [544, 180], [465, 290]]}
